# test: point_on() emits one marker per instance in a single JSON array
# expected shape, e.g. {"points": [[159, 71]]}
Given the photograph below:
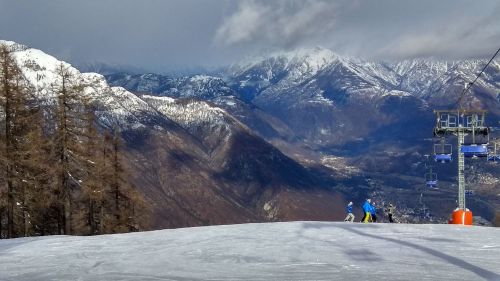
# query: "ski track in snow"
{"points": [[270, 251]]}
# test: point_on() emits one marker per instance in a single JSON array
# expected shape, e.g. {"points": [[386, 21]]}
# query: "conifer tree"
{"points": [[93, 193], [127, 204], [67, 142], [39, 199], [58, 173], [17, 123]]}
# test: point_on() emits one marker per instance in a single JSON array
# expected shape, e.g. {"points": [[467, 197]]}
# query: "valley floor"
{"points": [[268, 251]]}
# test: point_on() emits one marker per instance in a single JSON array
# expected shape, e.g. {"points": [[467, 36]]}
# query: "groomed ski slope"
{"points": [[268, 251]]}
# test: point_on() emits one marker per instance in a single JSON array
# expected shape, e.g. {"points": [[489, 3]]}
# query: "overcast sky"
{"points": [[161, 35]]}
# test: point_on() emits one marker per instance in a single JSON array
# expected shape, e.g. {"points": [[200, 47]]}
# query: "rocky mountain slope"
{"points": [[350, 115], [196, 164]]}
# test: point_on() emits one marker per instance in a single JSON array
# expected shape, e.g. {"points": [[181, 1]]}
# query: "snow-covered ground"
{"points": [[272, 251]]}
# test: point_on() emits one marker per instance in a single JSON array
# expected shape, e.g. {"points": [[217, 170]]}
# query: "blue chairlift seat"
{"points": [[443, 158], [431, 183], [469, 192], [431, 179], [494, 158], [474, 150]]}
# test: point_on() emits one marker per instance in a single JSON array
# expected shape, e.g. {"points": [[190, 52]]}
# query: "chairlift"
{"points": [[494, 158], [494, 155], [442, 152], [476, 146], [431, 179], [474, 150], [478, 138]]}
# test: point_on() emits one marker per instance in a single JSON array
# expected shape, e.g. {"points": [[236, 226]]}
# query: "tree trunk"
{"points": [[25, 214], [1, 223], [10, 219], [91, 217], [67, 214], [116, 179], [8, 146]]}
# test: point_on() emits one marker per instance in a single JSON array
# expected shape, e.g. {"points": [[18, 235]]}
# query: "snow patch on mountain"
{"points": [[304, 60], [192, 115], [115, 105], [340, 166]]}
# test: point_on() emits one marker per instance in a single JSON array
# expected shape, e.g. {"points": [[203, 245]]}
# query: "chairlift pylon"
{"points": [[462, 123]]}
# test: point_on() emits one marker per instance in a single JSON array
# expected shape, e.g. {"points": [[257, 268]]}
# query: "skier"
{"points": [[367, 207], [350, 216], [390, 212], [373, 212]]}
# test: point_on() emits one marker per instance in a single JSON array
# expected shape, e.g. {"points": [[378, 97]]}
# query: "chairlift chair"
{"points": [[431, 179], [494, 158], [494, 155], [442, 152], [474, 150], [476, 146]]}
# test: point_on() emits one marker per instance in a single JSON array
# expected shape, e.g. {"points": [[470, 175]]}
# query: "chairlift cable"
{"points": [[477, 77]]}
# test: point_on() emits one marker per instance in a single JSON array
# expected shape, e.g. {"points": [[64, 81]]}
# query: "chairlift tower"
{"points": [[462, 123]]}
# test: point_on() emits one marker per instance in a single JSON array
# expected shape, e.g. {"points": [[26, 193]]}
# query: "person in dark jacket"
{"points": [[373, 212], [367, 210], [350, 216], [390, 212]]}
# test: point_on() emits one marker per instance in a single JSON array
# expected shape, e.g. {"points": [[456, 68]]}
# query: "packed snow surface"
{"points": [[270, 251]]}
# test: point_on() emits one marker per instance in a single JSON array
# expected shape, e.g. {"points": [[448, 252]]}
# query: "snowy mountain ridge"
{"points": [[281, 71], [302, 62], [306, 72], [117, 106]]}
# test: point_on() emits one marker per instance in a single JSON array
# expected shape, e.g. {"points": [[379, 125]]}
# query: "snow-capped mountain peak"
{"points": [[302, 62]]}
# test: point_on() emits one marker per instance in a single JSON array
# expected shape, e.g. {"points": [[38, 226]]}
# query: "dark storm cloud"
{"points": [[159, 35], [148, 33]]}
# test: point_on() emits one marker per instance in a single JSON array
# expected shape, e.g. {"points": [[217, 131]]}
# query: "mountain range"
{"points": [[349, 115], [288, 136], [195, 163]]}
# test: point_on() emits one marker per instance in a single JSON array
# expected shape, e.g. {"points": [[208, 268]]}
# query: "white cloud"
{"points": [[384, 29], [244, 24], [448, 40], [168, 35], [277, 23]]}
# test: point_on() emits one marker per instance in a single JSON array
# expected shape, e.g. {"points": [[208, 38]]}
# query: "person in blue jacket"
{"points": [[350, 216], [367, 210]]}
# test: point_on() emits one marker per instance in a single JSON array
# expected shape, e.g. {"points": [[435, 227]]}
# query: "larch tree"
{"points": [[16, 126], [127, 205], [67, 144], [93, 193], [59, 174]]}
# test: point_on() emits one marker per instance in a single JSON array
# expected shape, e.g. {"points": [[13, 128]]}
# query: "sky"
{"points": [[165, 35]]}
